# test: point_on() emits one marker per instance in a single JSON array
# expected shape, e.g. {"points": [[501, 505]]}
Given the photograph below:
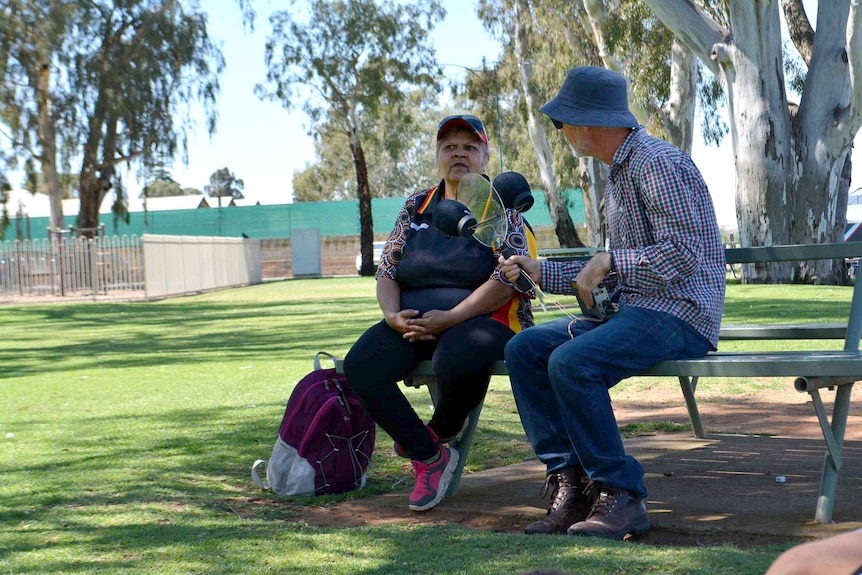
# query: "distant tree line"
{"points": [[101, 84]]}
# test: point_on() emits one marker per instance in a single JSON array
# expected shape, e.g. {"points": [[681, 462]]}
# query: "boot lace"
{"points": [[558, 496], [605, 503], [547, 486]]}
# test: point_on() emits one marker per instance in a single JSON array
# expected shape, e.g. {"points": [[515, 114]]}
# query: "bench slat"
{"points": [[765, 364], [757, 254], [799, 252], [741, 364], [783, 331]]}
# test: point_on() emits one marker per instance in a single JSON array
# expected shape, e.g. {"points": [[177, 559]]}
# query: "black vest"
{"points": [[437, 271]]}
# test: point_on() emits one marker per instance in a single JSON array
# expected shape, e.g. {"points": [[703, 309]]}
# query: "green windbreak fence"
{"points": [[274, 221]]}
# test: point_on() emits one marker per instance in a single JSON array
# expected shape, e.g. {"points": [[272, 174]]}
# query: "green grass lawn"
{"points": [[127, 431]]}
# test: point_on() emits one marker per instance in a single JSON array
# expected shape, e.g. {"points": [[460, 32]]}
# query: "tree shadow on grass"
{"points": [[138, 487], [120, 492], [141, 335]]}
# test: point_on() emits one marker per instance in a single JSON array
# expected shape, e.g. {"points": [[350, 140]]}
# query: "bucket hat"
{"points": [[591, 96]]}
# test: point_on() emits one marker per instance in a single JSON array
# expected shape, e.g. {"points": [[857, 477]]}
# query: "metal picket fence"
{"points": [[72, 267]]}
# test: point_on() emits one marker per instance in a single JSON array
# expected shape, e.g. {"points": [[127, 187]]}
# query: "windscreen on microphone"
{"points": [[514, 191], [453, 218]]}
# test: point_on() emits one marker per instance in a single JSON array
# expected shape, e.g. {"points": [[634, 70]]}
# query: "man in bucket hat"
{"points": [[664, 268]]}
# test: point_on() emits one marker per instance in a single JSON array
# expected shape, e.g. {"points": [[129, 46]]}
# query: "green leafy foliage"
{"points": [[162, 185], [224, 184], [398, 162], [711, 98], [353, 62], [102, 83]]}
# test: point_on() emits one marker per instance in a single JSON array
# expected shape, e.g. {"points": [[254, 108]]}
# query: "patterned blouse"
{"points": [[664, 240], [458, 260]]}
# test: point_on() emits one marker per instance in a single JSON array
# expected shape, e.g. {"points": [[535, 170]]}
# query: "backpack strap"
{"points": [[318, 355], [255, 474]]}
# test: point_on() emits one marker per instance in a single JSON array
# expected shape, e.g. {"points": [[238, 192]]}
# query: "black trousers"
{"points": [[462, 357]]}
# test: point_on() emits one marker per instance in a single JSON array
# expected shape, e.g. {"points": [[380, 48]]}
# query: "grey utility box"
{"points": [[305, 253]]}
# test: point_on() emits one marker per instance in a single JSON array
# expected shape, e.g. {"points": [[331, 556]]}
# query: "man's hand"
{"points": [[512, 266], [591, 276]]}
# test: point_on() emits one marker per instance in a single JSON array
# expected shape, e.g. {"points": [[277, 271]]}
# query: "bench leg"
{"points": [[833, 449], [461, 442], [689, 385], [829, 481]]}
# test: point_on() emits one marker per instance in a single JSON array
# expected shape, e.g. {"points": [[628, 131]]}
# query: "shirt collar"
{"points": [[435, 194], [624, 151]]}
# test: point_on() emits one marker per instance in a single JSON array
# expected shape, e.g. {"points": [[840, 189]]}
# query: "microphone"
{"points": [[514, 191], [453, 218]]}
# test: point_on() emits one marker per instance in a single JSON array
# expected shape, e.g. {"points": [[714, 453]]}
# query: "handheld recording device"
{"points": [[602, 307]]}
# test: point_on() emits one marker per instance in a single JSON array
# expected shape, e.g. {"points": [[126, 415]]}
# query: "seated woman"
{"points": [[444, 299]]}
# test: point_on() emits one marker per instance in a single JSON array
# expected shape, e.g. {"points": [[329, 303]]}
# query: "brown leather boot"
{"points": [[571, 500], [615, 514]]}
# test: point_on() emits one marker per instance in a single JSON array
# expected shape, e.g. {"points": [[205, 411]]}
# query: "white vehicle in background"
{"points": [[378, 250]]}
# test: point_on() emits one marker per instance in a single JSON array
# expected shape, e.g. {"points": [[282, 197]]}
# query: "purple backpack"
{"points": [[325, 441]]}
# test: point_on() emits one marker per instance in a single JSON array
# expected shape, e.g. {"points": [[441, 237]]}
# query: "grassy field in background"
{"points": [[127, 431]]}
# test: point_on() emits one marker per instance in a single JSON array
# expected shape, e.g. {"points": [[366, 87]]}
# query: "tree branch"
{"points": [[801, 32], [596, 12], [20, 144], [693, 27], [119, 160], [854, 61]]}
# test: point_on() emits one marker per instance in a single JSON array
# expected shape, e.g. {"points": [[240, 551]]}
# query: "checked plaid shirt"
{"points": [[664, 239]]}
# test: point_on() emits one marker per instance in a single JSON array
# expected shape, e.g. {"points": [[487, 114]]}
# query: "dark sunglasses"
{"points": [[557, 124]]}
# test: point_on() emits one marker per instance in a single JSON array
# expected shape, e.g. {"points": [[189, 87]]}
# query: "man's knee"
{"points": [[536, 337], [568, 364], [517, 344]]}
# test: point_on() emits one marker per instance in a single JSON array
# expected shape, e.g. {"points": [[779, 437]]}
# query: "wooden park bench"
{"points": [[811, 371]]}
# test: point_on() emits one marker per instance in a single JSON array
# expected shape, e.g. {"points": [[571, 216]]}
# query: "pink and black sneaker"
{"points": [[432, 478]]}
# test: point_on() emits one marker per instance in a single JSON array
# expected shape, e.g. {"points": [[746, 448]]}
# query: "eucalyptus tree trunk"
{"points": [[791, 162], [47, 135], [90, 186], [31, 37], [678, 115], [593, 174], [759, 123], [829, 117], [99, 181], [363, 190], [564, 228]]}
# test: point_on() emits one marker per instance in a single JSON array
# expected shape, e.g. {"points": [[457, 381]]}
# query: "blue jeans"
{"points": [[561, 375]]}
